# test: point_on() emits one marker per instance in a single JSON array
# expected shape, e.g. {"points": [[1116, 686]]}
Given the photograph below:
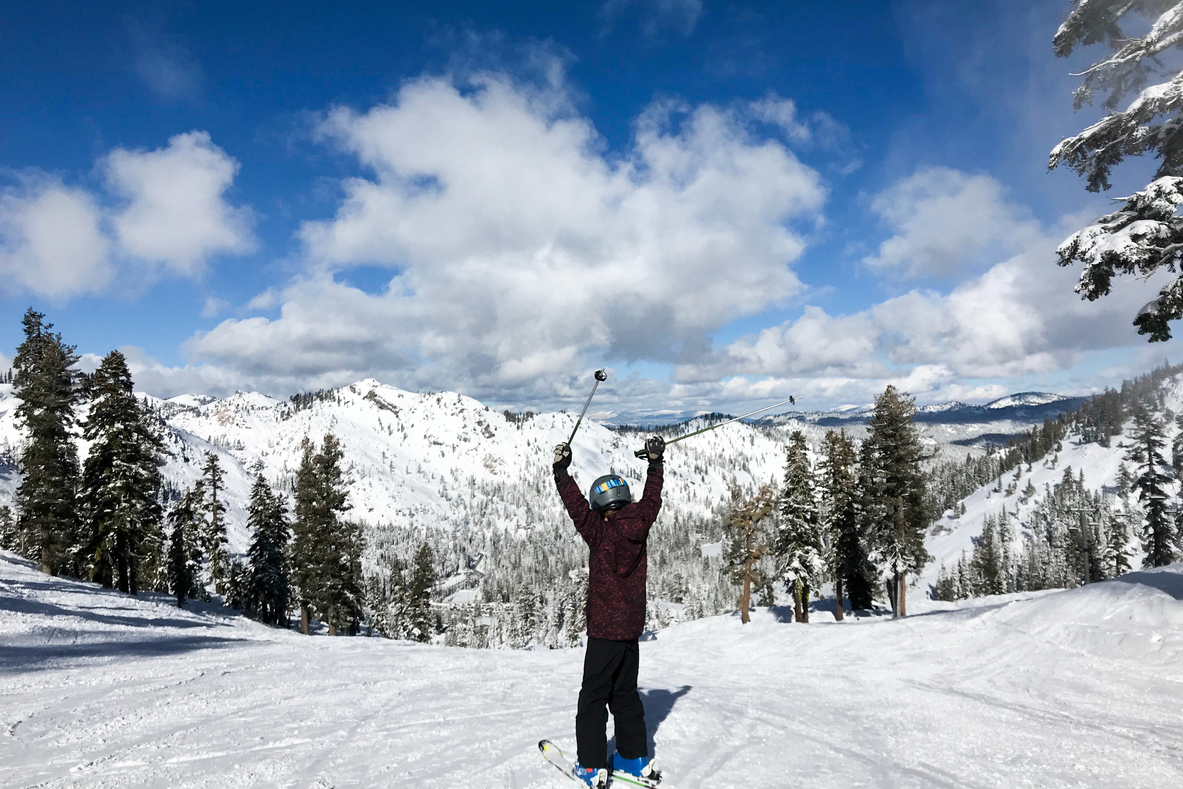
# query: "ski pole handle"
{"points": [[601, 375]]}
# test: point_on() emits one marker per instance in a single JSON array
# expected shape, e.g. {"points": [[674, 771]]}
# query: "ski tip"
{"points": [[542, 744]]}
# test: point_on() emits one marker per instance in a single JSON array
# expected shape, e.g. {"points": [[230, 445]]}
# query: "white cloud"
{"points": [[948, 224], [1019, 318], [820, 128], [680, 16], [177, 213], [59, 241], [51, 241], [518, 247]]}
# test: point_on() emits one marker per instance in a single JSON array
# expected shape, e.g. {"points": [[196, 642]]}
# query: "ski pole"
{"points": [[641, 453], [601, 375]]}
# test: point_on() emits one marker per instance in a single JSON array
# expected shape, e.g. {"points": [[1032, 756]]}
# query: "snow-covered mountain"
{"points": [[954, 533], [446, 460]]}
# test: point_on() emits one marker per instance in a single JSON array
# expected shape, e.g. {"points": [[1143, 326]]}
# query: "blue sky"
{"points": [[722, 202]]}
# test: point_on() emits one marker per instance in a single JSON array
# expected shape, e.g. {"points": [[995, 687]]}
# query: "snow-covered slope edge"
{"points": [[1072, 688]]}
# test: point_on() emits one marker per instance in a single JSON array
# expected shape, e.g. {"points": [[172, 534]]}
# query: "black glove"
{"points": [[562, 456], [655, 448]]}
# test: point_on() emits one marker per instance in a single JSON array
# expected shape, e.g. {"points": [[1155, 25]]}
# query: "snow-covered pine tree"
{"points": [[1006, 537], [47, 518], [798, 542], [987, 562], [1145, 234], [525, 619], [1125, 483], [213, 533], [121, 481], [871, 508], [419, 591], [183, 548], [745, 525], [268, 588], [896, 535], [9, 541], [398, 607], [1145, 452], [847, 556], [1119, 539], [341, 543], [326, 549], [305, 557]]}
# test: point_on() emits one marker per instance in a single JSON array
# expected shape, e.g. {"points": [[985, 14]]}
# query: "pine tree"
{"points": [[798, 542], [326, 550], [745, 524], [342, 543], [419, 590], [1145, 452], [213, 533], [847, 557], [121, 482], [525, 620], [46, 497], [399, 612], [1145, 235], [267, 595], [183, 551], [9, 539], [305, 557], [1119, 538], [986, 561], [871, 510], [897, 535]]}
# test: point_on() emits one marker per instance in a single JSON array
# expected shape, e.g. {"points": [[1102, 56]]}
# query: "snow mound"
{"points": [[1136, 617]]}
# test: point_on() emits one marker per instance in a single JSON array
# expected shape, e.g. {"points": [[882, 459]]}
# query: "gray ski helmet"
{"points": [[609, 492]]}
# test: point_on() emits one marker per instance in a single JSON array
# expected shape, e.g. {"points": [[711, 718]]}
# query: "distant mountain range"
{"points": [[1030, 407], [448, 460]]}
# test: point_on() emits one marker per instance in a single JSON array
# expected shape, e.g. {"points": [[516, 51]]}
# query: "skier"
{"points": [[615, 529]]}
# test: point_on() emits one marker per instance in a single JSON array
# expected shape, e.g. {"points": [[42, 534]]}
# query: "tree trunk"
{"points": [[332, 628], [902, 586], [839, 614], [744, 599], [805, 593], [796, 600], [304, 619]]}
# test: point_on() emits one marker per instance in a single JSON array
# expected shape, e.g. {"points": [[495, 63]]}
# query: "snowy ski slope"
{"points": [[1074, 688]]}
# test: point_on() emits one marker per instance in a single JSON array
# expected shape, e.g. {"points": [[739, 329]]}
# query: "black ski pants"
{"points": [[610, 682]]}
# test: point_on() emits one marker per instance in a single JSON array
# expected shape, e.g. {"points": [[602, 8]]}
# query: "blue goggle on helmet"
{"points": [[609, 492]]}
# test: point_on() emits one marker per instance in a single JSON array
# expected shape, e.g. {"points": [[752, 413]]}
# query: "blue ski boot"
{"points": [[593, 777], [634, 772]]}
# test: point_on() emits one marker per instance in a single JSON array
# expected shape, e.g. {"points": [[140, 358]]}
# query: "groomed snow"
{"points": [[1073, 688]]}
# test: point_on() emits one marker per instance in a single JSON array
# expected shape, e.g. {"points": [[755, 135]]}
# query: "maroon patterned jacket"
{"points": [[618, 561]]}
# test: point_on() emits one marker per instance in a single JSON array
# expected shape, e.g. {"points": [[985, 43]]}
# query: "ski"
{"points": [[555, 757], [624, 779]]}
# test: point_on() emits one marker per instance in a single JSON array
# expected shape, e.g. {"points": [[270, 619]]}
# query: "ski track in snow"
{"points": [[1071, 688]]}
